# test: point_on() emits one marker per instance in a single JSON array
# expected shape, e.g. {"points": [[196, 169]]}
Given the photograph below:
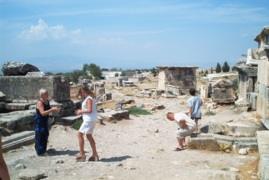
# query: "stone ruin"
{"points": [[13, 68], [247, 84], [220, 88], [254, 77], [248, 132], [223, 92], [177, 80]]}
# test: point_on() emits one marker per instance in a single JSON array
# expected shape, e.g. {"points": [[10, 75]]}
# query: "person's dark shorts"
{"points": [[196, 119]]}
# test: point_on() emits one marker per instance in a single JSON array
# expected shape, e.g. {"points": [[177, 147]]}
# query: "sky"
{"points": [[61, 35]]}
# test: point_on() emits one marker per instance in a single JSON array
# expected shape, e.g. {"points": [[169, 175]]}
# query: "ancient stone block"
{"points": [[114, 115], [263, 72], [17, 140], [223, 91], [263, 144], [243, 128], [205, 143], [177, 79], [17, 106], [27, 88], [31, 174], [2, 107], [18, 69], [2, 96], [18, 121]]}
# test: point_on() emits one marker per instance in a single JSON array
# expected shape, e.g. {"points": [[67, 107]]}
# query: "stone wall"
{"points": [[223, 92], [183, 78], [263, 91], [27, 88]]}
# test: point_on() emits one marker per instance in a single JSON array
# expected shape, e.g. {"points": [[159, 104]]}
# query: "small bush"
{"points": [[77, 124], [136, 111]]}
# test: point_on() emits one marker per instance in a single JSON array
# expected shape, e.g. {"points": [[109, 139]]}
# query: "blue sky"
{"points": [[61, 35]]}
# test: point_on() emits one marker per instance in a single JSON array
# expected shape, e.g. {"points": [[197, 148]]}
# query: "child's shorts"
{"points": [[87, 127], [182, 133]]}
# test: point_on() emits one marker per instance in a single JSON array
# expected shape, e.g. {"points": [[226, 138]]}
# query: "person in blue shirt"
{"points": [[194, 106], [43, 109]]}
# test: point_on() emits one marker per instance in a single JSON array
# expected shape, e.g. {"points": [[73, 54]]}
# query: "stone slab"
{"points": [[17, 106], [17, 140], [31, 174], [115, 115], [27, 88], [18, 121], [263, 144]]}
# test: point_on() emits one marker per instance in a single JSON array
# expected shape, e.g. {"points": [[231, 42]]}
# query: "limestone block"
{"points": [[18, 121], [263, 72], [17, 140]]}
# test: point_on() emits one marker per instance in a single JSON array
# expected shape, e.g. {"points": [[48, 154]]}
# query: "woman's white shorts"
{"points": [[87, 127]]}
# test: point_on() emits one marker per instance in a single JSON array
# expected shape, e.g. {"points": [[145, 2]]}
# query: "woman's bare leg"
{"points": [[93, 145], [81, 144]]}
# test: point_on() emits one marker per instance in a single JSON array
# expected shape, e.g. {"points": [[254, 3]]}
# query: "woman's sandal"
{"points": [[80, 158], [93, 158]]}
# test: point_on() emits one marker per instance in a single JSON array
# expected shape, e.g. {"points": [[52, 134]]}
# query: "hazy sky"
{"points": [[61, 35]]}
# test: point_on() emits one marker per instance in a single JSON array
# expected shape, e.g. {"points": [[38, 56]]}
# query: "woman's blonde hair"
{"points": [[42, 91]]}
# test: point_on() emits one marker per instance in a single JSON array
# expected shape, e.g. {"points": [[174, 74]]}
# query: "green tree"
{"points": [[206, 73], [93, 69], [225, 67], [74, 75], [154, 71], [218, 68]]}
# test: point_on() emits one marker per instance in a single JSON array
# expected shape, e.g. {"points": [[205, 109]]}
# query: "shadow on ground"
{"points": [[54, 152], [115, 159]]}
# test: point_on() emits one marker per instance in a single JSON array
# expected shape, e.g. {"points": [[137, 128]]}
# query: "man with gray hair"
{"points": [[43, 109]]}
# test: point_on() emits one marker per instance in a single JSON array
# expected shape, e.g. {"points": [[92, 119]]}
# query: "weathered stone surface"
{"points": [[17, 68], [2, 107], [243, 151], [4, 131], [27, 88], [216, 142], [245, 142], [263, 104], [18, 121], [35, 74], [219, 175], [67, 108], [2, 96], [17, 140], [31, 174], [178, 80], [17, 106], [263, 143], [217, 127], [223, 92], [205, 143], [245, 126], [20, 166], [115, 115]]}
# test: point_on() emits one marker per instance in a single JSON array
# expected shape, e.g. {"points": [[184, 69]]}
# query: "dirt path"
{"points": [[139, 148]]}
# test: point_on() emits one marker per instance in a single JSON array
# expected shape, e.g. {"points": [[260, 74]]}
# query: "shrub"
{"points": [[136, 111]]}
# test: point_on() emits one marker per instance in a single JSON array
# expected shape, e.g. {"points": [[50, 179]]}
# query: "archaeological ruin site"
{"points": [[133, 137]]}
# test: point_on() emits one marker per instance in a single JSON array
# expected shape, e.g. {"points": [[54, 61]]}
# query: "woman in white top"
{"points": [[89, 115]]}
